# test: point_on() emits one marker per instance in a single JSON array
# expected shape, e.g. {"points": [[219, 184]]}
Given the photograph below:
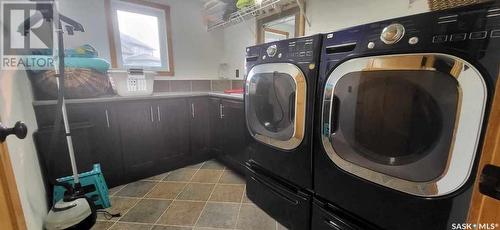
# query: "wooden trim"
{"points": [[168, 22], [289, 11], [484, 209], [12, 216], [275, 31], [111, 38]]}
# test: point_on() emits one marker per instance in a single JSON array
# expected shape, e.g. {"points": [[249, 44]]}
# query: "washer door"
{"points": [[408, 122], [275, 103]]}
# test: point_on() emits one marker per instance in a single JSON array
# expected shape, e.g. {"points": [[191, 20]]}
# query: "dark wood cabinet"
{"points": [[229, 136], [139, 137], [199, 127], [235, 131], [173, 119], [216, 125], [136, 139], [95, 140]]}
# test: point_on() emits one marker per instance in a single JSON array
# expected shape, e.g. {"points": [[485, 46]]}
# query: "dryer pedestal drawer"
{"points": [[327, 217], [288, 206]]}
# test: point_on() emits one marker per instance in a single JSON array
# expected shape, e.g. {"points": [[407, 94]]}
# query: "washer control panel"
{"points": [[300, 48], [392, 33]]}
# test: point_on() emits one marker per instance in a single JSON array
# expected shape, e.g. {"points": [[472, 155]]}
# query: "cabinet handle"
{"points": [[221, 107], [159, 113], [151, 112], [192, 110], [107, 117]]}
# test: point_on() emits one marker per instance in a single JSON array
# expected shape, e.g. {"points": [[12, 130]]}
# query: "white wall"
{"points": [[236, 39], [197, 53], [325, 16], [330, 15], [15, 105]]}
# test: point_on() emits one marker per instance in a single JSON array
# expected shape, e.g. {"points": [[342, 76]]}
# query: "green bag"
{"points": [[244, 3]]}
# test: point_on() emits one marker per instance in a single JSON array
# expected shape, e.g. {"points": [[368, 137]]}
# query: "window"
{"points": [[140, 35]]}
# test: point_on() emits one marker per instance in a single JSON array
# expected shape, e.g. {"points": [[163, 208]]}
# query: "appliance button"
{"points": [[495, 33], [392, 33], [279, 55], [302, 54], [309, 53], [440, 38], [413, 40], [371, 45], [271, 50], [478, 35], [458, 37]]}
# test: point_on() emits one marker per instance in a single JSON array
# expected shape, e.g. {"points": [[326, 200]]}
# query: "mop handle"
{"points": [[60, 85]]}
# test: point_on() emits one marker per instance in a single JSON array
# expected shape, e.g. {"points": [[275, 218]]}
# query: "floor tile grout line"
{"points": [[146, 198], [118, 190], [175, 198], [239, 209], [191, 182], [204, 206], [138, 201]]}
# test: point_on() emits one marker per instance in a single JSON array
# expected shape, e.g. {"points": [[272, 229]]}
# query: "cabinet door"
{"points": [[235, 131], [95, 140], [173, 118], [199, 127], [105, 141], [138, 140], [216, 125]]}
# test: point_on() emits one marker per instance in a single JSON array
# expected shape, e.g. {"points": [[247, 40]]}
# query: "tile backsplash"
{"points": [[196, 85]]}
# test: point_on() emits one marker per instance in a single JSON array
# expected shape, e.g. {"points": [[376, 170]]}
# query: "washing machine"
{"points": [[279, 102], [400, 116]]}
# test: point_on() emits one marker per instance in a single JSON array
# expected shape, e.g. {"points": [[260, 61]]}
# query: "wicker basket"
{"points": [[79, 83], [447, 4]]}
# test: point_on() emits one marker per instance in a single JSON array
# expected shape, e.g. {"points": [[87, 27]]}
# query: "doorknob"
{"points": [[19, 129]]}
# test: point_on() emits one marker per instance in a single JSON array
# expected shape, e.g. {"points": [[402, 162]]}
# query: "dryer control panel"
{"points": [[467, 29]]}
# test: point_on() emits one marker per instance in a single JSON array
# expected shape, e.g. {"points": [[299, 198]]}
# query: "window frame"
{"points": [[287, 12], [112, 36]]}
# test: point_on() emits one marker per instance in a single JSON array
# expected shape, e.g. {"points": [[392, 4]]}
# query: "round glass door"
{"points": [[275, 104], [409, 122], [389, 120]]}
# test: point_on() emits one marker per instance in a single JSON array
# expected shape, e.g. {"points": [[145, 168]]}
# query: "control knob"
{"points": [[271, 50], [392, 33]]}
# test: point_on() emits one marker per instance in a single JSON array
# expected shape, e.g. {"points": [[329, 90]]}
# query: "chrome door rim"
{"points": [[469, 118], [300, 103]]}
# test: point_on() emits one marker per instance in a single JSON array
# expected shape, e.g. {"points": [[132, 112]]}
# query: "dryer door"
{"points": [[275, 102], [408, 122]]}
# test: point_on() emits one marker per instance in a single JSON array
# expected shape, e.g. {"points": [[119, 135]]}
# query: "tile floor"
{"points": [[202, 196]]}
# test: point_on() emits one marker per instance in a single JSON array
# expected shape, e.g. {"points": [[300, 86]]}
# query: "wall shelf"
{"points": [[247, 13]]}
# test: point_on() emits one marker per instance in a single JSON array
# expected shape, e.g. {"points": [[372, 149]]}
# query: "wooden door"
{"points": [[11, 213], [485, 209]]}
